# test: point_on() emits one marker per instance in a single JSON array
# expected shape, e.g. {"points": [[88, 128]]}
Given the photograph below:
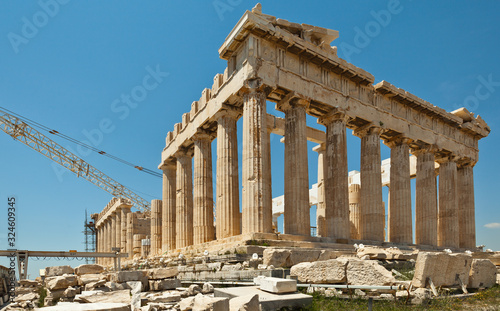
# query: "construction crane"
{"points": [[32, 138]]}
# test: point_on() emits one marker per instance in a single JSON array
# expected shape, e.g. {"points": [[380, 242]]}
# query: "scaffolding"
{"points": [[90, 238]]}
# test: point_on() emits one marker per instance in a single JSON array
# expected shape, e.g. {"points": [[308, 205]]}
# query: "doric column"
{"points": [[124, 211], [256, 192], [203, 210], [297, 217], [227, 189], [320, 208], [466, 208], [354, 213], [371, 208], [336, 176], [118, 228], [184, 201], [131, 219], [106, 239], [107, 236], [169, 207], [98, 243], [156, 227], [448, 235], [400, 219], [113, 230], [425, 198], [268, 178]]}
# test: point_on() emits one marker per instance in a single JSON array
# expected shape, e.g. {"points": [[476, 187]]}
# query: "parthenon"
{"points": [[294, 67]]}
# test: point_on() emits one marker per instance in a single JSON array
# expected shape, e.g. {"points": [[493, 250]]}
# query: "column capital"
{"points": [[184, 152], [335, 114], [228, 111], [367, 129], [427, 148], [292, 100], [202, 134], [465, 162], [397, 140], [253, 85], [441, 159], [169, 165]]}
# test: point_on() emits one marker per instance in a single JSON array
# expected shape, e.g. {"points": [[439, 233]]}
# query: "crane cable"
{"points": [[75, 141]]}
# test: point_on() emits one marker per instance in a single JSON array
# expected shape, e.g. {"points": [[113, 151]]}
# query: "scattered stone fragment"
{"points": [[89, 269], [61, 282], [276, 285], [483, 274], [367, 272], [244, 303], [193, 289], [58, 270], [327, 272], [207, 288]]}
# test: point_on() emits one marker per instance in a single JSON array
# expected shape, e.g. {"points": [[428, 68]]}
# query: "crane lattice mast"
{"points": [[32, 138]]}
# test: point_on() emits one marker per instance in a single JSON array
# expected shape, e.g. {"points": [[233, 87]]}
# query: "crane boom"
{"points": [[32, 138]]}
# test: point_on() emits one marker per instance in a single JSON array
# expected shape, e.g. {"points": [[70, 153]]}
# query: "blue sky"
{"points": [[66, 70]]}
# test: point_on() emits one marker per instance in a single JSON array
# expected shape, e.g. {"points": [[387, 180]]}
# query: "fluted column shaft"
{"points": [[118, 229], [256, 193], [268, 179], [227, 189], [400, 219], [354, 212], [203, 213], [448, 235], [425, 199], [297, 218], [320, 208], [371, 208], [184, 201], [336, 177], [466, 208], [108, 239], [169, 208], [123, 244], [99, 243], [131, 218], [156, 222], [113, 230]]}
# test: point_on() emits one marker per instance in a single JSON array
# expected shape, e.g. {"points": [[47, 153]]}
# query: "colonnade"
{"points": [[347, 214]]}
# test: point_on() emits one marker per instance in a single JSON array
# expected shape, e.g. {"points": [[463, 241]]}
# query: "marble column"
{"points": [[354, 213], [227, 189], [466, 208], [371, 208], [399, 226], [336, 177], [169, 207], [256, 191], [124, 211], [184, 200], [156, 222], [268, 179], [113, 231], [203, 210], [448, 235], [320, 208], [118, 228], [106, 239], [131, 217], [425, 198], [297, 217], [98, 243]]}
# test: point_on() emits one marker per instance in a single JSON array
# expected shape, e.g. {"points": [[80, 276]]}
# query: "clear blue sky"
{"points": [[67, 68]]}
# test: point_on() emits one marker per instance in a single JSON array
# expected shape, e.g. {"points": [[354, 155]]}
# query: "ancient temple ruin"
{"points": [[294, 66]]}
